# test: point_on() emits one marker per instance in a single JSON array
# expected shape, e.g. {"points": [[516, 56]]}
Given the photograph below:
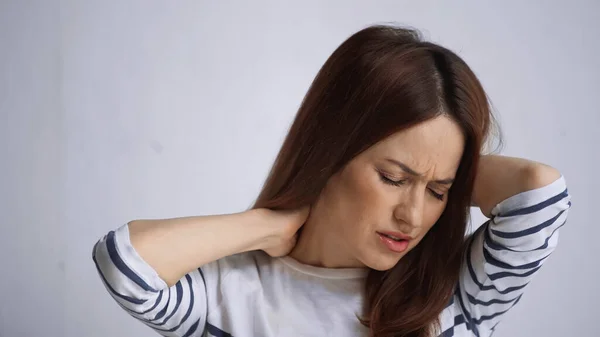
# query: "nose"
{"points": [[410, 209]]}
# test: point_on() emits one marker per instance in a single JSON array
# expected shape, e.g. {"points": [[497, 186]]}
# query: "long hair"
{"points": [[381, 80]]}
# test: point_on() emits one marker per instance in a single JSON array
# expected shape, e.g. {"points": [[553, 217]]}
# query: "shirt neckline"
{"points": [[329, 273]]}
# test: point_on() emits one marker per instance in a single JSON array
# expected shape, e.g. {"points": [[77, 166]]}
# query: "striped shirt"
{"points": [[253, 294]]}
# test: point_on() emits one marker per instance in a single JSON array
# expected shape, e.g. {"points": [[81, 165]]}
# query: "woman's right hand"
{"points": [[285, 226]]}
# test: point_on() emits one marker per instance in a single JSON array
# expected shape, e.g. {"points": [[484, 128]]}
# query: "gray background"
{"points": [[114, 110]]}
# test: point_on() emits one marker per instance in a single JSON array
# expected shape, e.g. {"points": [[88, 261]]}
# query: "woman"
{"points": [[360, 227]]}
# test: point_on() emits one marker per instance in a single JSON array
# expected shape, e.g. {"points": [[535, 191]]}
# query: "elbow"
{"points": [[539, 175]]}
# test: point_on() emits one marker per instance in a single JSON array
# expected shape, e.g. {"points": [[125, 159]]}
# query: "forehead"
{"points": [[437, 143]]}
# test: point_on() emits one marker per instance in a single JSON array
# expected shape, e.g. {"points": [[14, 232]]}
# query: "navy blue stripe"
{"points": [[479, 284], [466, 312], [545, 245], [528, 231], [460, 319], [487, 240], [450, 302], [189, 310], [122, 266], [517, 301], [504, 274], [213, 330], [134, 313], [489, 258], [496, 246], [491, 286], [511, 289], [160, 294], [151, 308], [489, 317], [206, 297], [112, 290], [537, 207], [202, 275], [192, 329], [448, 333], [472, 271], [161, 313], [179, 291], [475, 301], [131, 311], [191, 307]]}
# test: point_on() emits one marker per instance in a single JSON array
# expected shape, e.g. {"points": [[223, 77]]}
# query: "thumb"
{"points": [[302, 214]]}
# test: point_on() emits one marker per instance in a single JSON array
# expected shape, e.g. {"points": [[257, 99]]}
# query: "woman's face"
{"points": [[386, 199]]}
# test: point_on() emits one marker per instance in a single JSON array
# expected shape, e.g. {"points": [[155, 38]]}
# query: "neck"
{"points": [[319, 243]]}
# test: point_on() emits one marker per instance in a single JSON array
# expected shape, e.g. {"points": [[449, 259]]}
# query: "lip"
{"points": [[393, 245], [399, 235]]}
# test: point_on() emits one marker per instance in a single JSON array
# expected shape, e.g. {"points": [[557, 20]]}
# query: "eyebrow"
{"points": [[410, 171]]}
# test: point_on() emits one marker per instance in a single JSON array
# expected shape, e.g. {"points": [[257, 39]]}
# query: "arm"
{"points": [[174, 247], [527, 203], [152, 267], [499, 178]]}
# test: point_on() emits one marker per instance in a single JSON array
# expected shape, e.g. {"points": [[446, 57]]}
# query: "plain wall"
{"points": [[111, 111]]}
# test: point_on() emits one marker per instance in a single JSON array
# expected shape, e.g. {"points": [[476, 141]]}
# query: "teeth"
{"points": [[392, 237]]}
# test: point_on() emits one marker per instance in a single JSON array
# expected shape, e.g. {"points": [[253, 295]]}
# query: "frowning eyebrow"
{"points": [[405, 168]]}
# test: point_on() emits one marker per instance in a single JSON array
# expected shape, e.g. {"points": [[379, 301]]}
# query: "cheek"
{"points": [[359, 199], [431, 216]]}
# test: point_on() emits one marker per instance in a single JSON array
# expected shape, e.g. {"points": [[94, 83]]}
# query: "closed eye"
{"points": [[401, 182], [390, 181], [436, 195]]}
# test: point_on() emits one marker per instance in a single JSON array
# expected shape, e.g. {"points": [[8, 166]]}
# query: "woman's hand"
{"points": [[284, 227]]}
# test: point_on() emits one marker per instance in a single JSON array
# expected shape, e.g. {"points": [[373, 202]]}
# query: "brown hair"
{"points": [[379, 81]]}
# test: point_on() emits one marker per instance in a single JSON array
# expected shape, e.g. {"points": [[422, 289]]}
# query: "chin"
{"points": [[382, 263]]}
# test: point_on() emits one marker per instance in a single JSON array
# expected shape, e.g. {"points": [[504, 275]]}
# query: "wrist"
{"points": [[261, 228]]}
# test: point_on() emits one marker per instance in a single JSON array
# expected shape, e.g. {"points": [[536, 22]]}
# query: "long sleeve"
{"points": [[505, 253], [178, 311]]}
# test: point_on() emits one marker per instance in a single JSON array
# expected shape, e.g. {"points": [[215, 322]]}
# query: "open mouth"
{"points": [[394, 243], [392, 237]]}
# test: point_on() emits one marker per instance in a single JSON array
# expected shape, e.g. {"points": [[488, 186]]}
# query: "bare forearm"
{"points": [[500, 177], [174, 247]]}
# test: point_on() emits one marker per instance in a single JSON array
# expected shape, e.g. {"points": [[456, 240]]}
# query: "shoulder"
{"points": [[233, 278], [246, 265]]}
